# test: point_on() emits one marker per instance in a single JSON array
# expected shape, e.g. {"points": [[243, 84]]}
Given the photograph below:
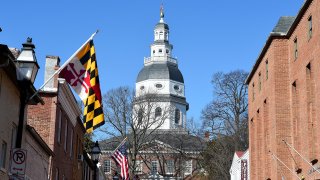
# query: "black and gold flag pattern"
{"points": [[93, 110]]}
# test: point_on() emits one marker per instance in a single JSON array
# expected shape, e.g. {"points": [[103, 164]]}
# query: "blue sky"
{"points": [[207, 35]]}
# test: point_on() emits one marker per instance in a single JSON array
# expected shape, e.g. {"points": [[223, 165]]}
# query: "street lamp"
{"points": [[95, 155], [27, 62], [27, 69]]}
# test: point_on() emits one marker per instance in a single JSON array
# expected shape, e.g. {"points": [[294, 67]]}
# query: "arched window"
{"points": [[177, 116], [161, 35], [140, 116], [158, 112]]}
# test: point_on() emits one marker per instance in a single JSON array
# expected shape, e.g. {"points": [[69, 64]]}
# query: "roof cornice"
{"points": [[277, 35]]}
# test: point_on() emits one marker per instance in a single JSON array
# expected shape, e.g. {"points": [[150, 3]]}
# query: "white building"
{"points": [[161, 76], [240, 166]]}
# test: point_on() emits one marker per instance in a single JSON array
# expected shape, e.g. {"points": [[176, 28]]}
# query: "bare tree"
{"points": [[172, 151], [226, 119], [133, 117]]}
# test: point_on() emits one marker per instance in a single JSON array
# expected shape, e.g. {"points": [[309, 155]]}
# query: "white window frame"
{"points": [[170, 166], [188, 167], [139, 167], [154, 167], [107, 166]]}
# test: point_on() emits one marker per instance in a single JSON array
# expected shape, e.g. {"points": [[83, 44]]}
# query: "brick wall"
{"points": [[287, 106]]}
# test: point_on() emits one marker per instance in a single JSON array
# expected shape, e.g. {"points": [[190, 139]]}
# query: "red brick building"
{"points": [[59, 124], [168, 155], [284, 105]]}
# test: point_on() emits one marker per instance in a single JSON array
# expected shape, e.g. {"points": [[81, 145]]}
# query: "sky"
{"points": [[208, 36]]}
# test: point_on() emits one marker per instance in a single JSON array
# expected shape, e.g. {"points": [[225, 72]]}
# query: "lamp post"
{"points": [[95, 155], [27, 69]]}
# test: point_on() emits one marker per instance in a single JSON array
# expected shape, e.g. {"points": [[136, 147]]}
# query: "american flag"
{"points": [[120, 156]]}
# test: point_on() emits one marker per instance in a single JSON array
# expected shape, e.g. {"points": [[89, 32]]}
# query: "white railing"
{"points": [[160, 59]]}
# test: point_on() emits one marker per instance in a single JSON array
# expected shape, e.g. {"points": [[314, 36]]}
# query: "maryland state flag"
{"points": [[81, 72]]}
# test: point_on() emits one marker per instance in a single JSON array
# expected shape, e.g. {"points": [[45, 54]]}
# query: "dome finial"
{"points": [[161, 13]]}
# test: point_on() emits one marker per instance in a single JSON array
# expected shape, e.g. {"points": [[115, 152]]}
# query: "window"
{"points": [[253, 92], [59, 125], [45, 173], [71, 143], [3, 155], [267, 69], [158, 86], [259, 81], [65, 135], [295, 48], [79, 146], [153, 51], [310, 27], [170, 167], [308, 68], [13, 136], [294, 86], [139, 164], [177, 116], [154, 167], [161, 35], [107, 166], [167, 51], [158, 112], [188, 167], [160, 50], [140, 116], [57, 174]]}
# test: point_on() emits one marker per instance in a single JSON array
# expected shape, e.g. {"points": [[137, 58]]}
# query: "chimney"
{"points": [[52, 64], [15, 52]]}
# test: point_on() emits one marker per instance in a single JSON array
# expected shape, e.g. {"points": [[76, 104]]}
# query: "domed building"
{"points": [[161, 77], [158, 143]]}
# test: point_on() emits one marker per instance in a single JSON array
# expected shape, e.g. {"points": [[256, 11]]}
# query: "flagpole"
{"points": [[301, 156], [61, 67], [274, 156], [122, 142]]}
